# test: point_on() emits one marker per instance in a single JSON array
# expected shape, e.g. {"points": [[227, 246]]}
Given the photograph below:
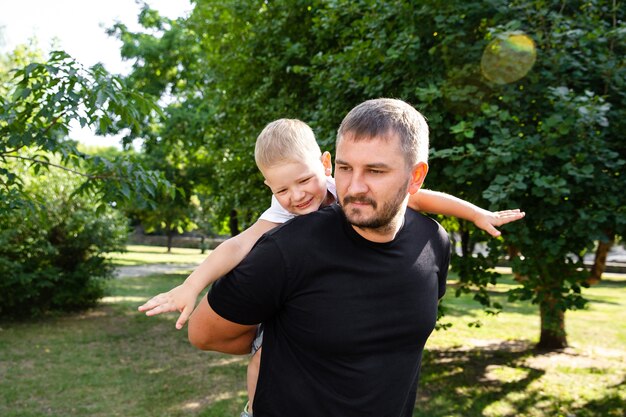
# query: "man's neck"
{"points": [[385, 233]]}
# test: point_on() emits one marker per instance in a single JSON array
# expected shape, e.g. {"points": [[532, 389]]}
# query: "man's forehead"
{"points": [[354, 142], [358, 136]]}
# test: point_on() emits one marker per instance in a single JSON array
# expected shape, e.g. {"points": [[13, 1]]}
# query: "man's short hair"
{"points": [[384, 116], [285, 140]]}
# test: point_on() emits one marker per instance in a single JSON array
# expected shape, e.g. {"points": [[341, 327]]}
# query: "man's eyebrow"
{"points": [[378, 165], [372, 165]]}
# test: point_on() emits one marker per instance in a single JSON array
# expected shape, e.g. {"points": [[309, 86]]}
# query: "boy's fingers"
{"points": [[147, 306], [164, 306], [152, 303], [492, 231], [182, 319], [508, 216]]}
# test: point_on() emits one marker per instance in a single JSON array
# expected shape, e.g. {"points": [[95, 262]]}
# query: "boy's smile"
{"points": [[300, 187]]}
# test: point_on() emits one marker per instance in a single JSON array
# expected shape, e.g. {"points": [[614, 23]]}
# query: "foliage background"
{"points": [[550, 142], [56, 202], [52, 254], [546, 140]]}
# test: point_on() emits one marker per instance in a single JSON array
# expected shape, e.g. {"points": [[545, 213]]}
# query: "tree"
{"points": [[546, 142], [201, 66], [41, 101], [53, 258], [170, 215], [53, 241], [546, 139]]}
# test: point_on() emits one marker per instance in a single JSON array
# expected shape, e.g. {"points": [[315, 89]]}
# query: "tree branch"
{"points": [[607, 85], [38, 161], [88, 176], [4, 184], [54, 122], [46, 130], [12, 150]]}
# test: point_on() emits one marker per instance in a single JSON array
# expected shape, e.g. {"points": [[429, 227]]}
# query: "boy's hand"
{"points": [[181, 298], [488, 220]]}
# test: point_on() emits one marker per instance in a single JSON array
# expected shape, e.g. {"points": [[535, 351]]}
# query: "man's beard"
{"points": [[380, 220]]}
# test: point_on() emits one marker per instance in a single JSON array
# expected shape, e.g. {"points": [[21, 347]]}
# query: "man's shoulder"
{"points": [[422, 219], [309, 223], [427, 224]]}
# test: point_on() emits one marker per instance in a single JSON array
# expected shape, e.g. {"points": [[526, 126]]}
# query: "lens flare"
{"points": [[508, 59]]}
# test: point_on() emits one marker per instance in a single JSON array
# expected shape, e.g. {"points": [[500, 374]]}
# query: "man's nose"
{"points": [[357, 185]]}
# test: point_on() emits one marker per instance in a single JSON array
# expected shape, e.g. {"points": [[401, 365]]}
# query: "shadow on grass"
{"points": [[495, 380], [457, 382], [600, 301], [611, 405], [465, 305], [610, 284]]}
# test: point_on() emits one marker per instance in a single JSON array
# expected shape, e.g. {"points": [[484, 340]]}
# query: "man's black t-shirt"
{"points": [[345, 318]]}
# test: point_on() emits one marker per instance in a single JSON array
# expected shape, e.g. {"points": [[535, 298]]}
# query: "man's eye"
{"points": [[375, 171], [342, 168]]}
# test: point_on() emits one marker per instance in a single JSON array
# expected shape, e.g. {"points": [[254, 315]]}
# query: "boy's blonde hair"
{"points": [[285, 140]]}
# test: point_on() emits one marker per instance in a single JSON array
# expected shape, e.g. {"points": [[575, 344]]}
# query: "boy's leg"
{"points": [[253, 377], [253, 370]]}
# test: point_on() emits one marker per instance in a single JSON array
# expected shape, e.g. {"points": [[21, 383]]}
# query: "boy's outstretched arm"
{"points": [[441, 203], [219, 262]]}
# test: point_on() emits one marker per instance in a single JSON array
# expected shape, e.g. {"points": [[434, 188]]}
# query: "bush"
{"points": [[52, 255]]}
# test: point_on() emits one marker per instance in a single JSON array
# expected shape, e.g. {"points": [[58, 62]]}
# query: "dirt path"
{"points": [[149, 269]]}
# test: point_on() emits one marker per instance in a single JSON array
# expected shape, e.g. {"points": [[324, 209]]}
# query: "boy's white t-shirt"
{"points": [[277, 214]]}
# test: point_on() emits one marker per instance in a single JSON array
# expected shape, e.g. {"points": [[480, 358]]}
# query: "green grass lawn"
{"points": [[494, 371], [113, 361], [141, 255]]}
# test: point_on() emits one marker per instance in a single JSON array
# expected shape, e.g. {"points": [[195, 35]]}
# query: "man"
{"points": [[348, 295]]}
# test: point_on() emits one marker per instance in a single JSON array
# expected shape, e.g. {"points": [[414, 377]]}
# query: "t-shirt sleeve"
{"points": [[253, 291], [276, 213]]}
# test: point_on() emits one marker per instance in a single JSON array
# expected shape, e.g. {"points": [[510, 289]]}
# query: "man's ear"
{"points": [[418, 174], [328, 164]]}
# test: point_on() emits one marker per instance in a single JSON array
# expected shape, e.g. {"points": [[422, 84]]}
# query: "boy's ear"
{"points": [[418, 174], [328, 164]]}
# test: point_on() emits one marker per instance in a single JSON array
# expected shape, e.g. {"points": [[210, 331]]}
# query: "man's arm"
{"points": [[209, 331], [441, 203], [225, 320]]}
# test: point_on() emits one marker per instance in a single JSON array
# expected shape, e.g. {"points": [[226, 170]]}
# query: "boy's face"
{"points": [[300, 187]]}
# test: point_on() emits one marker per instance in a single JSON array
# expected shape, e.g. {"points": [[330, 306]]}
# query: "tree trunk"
{"points": [[466, 245], [553, 335], [599, 264], [170, 236], [465, 268], [514, 252]]}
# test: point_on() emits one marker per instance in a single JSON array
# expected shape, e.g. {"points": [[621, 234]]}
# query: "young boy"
{"points": [[299, 176]]}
